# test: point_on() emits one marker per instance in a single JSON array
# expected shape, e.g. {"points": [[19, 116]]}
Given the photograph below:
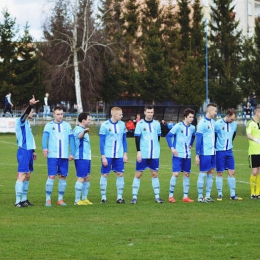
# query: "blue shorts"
{"points": [[181, 164], [152, 164], [207, 162], [58, 166], [114, 164], [225, 161], [25, 160], [82, 168]]}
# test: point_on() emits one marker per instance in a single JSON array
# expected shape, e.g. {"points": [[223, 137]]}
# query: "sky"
{"points": [[31, 11]]}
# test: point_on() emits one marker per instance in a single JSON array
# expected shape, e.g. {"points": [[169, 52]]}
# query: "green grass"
{"points": [[220, 230]]}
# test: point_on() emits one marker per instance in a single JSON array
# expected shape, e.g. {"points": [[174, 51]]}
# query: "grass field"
{"points": [[220, 230]]}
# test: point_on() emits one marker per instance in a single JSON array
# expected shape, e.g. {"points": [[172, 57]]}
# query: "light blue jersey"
{"points": [[224, 134], [205, 136], [83, 148], [114, 138], [182, 137], [24, 136], [58, 135], [149, 143]]}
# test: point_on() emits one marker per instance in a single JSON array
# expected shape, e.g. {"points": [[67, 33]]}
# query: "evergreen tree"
{"points": [[185, 28], [8, 47], [27, 70], [156, 75], [256, 67], [247, 68], [191, 90], [111, 29], [224, 55]]}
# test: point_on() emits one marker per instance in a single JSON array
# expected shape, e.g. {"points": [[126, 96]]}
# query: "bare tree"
{"points": [[74, 41]]}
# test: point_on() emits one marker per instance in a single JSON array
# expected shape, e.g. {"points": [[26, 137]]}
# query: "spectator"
{"points": [[8, 104], [138, 118], [130, 127], [170, 125], [46, 106], [164, 128], [247, 110], [253, 103]]}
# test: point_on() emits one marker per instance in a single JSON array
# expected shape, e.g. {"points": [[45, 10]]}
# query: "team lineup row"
{"points": [[61, 144]]}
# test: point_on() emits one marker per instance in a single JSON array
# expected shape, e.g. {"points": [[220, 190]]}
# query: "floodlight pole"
{"points": [[207, 76]]}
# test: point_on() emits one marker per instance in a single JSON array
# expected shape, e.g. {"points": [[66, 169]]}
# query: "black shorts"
{"points": [[254, 160]]}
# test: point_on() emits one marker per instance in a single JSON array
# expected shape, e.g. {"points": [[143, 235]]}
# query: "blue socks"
{"points": [[78, 190], [219, 185], [18, 191], [85, 189], [25, 190], [135, 187], [172, 185], [156, 187], [120, 184], [200, 184], [209, 183], [61, 187], [232, 186], [49, 188], [103, 187], [186, 186]]}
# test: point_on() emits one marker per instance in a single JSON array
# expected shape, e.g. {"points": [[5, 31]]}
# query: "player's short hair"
{"points": [[82, 116], [188, 111], [57, 108], [210, 105], [115, 109], [148, 107], [231, 112]]}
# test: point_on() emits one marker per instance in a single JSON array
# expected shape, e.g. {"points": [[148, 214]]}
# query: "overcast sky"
{"points": [[31, 11]]}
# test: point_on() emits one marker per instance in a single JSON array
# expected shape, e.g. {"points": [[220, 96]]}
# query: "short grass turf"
{"points": [[220, 230]]}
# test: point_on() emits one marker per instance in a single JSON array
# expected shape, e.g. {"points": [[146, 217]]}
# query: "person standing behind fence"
{"points": [[46, 106], [82, 160], [25, 155], [56, 140], [8, 104]]}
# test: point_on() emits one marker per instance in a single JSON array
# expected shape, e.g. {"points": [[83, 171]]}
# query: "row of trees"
{"points": [[131, 50]]}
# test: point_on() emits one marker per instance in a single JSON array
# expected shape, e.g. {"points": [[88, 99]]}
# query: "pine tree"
{"points": [[224, 55], [185, 28], [8, 46], [27, 70], [256, 63], [156, 75]]}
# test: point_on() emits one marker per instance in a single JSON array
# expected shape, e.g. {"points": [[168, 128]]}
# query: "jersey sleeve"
{"points": [[138, 129], [102, 130]]}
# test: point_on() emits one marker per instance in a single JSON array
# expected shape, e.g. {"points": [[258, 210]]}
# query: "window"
{"points": [[249, 8]]}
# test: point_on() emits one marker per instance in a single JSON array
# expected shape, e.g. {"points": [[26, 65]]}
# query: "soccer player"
{"points": [[82, 159], [147, 135], [113, 149], [180, 140], [56, 140], [205, 152], [253, 135], [225, 130], [25, 154]]}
